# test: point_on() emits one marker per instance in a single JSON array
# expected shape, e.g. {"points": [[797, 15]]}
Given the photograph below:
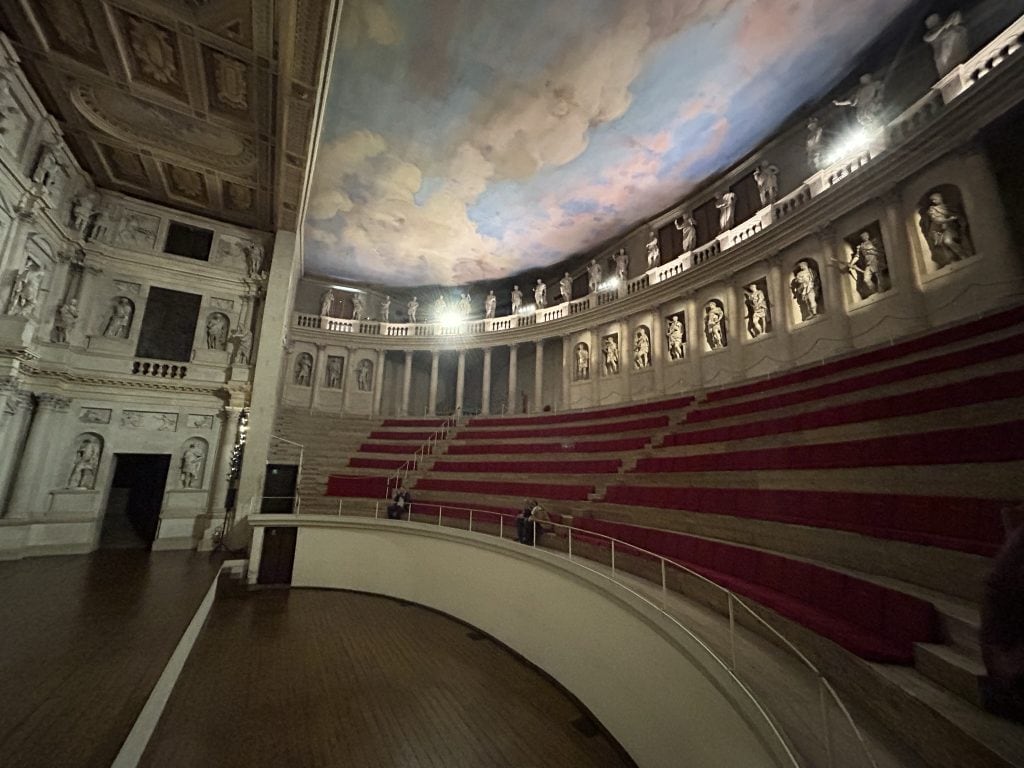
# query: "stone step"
{"points": [[950, 668]]}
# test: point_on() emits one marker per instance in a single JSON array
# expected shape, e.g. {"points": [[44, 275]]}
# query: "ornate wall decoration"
{"points": [[135, 230], [149, 420], [227, 304], [94, 416], [303, 373], [364, 375], [610, 353], [716, 335], [675, 335], [581, 362], [125, 287], [192, 465], [642, 348], [199, 421]]}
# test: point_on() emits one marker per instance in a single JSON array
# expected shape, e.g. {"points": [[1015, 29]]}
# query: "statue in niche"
{"points": [[540, 294], [610, 350], [25, 290], [364, 376], [714, 325], [119, 324], [303, 369], [64, 320], [85, 464], [217, 327], [814, 143], [100, 226], [490, 305], [333, 373], [326, 303], [243, 346], [517, 299], [358, 307], [45, 172], [726, 206], [565, 287], [82, 209], [674, 334], [254, 257], [805, 288], [948, 39], [465, 305], [757, 310], [653, 250], [621, 259], [385, 310], [193, 461], [767, 177], [866, 102], [945, 228], [582, 371], [687, 227], [411, 309], [867, 266], [593, 276], [641, 348]]}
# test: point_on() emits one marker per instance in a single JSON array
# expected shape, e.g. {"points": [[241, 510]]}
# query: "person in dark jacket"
{"points": [[401, 503]]}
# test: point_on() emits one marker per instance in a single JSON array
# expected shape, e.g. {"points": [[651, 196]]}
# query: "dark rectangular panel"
{"points": [[169, 325]]}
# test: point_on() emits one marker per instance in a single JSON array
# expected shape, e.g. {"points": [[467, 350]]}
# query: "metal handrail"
{"points": [[825, 688], [426, 449], [302, 453]]}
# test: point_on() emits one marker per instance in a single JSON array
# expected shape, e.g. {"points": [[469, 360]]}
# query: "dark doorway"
{"points": [[136, 495], [278, 556], [279, 489]]}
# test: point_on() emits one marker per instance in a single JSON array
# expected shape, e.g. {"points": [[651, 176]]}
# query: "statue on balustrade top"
{"points": [[641, 348], [867, 266], [767, 177], [714, 325], [490, 305], [621, 259], [82, 209], [333, 373], [726, 206], [867, 102], [25, 290], [945, 228], [593, 276], [806, 289], [64, 321], [814, 144], [674, 334], [85, 465], [385, 310], [119, 324], [326, 303], [582, 372], [517, 299], [653, 250], [610, 349], [217, 327], [193, 460], [948, 39], [440, 308], [303, 369], [687, 227], [364, 376], [465, 305], [565, 287], [359, 307], [540, 294], [411, 309], [757, 310]]}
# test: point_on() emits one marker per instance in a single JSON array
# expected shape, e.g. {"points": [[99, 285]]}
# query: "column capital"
{"points": [[53, 402]]}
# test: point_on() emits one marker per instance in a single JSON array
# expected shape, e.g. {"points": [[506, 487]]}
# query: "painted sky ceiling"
{"points": [[469, 140]]}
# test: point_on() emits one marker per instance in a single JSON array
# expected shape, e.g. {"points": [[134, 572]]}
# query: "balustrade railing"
{"points": [[159, 370]]}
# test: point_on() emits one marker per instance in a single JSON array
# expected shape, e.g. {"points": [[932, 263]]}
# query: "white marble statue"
{"points": [[621, 259], [726, 206], [64, 320], [490, 305], [867, 102], [254, 256], [82, 209], [565, 287], [714, 326], [45, 172], [767, 177], [946, 231], [582, 362], [440, 308], [25, 291], [814, 143], [948, 39], [465, 305], [411, 309], [610, 349], [326, 303], [593, 276], [687, 227], [517, 299], [364, 376], [193, 459], [757, 310], [333, 374], [674, 334], [641, 348], [867, 266], [303, 369], [243, 346], [85, 465], [358, 306], [540, 294], [217, 327], [804, 287], [385, 310], [653, 250], [119, 324]]}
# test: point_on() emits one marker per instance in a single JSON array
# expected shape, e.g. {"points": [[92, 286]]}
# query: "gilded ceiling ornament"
{"points": [[189, 183], [153, 50], [232, 88]]}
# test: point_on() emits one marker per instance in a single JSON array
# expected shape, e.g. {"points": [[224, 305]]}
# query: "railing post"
{"points": [[439, 510], [613, 557], [501, 526], [826, 730], [664, 585], [534, 541], [732, 632], [570, 542], [339, 506], [376, 510], [471, 521]]}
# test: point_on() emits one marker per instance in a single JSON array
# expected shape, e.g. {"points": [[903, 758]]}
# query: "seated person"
{"points": [[401, 503], [531, 521]]}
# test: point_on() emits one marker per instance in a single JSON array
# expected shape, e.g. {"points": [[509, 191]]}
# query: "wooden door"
{"points": [[278, 555]]}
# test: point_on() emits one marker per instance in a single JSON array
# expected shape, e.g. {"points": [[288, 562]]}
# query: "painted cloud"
{"points": [[468, 140]]}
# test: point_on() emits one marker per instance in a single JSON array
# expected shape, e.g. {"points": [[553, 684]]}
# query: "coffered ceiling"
{"points": [[204, 105]]}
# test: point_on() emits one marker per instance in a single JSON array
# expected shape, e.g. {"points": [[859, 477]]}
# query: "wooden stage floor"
{"points": [[82, 641], [321, 678]]}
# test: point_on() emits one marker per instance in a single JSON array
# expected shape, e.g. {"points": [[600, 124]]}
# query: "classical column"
{"points": [[319, 373], [831, 287], [538, 376], [378, 384], [900, 256], [460, 382], [13, 426], [657, 345], [626, 368], [485, 395], [406, 383], [513, 377], [432, 403], [32, 472], [222, 469], [566, 370], [595, 367]]}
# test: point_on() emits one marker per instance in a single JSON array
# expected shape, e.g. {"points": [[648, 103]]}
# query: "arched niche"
{"points": [[716, 334], [84, 462], [942, 220], [806, 289]]}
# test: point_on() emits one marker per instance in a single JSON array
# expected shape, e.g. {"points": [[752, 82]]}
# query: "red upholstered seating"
{"points": [[357, 486], [496, 488], [874, 622], [564, 446], [964, 524], [591, 415], [634, 425], [582, 467]]}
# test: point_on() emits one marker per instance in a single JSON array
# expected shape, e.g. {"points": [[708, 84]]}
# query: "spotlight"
{"points": [[451, 317], [610, 284], [527, 309], [851, 143]]}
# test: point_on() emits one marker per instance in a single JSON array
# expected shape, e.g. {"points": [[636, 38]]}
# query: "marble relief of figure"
{"points": [[814, 143], [593, 276], [687, 227], [948, 39], [326, 303], [610, 350], [364, 376], [119, 325], [303, 369], [64, 321], [653, 250], [385, 310], [766, 176], [193, 459], [945, 228], [714, 325], [805, 288], [25, 291], [217, 327], [86, 464], [540, 294], [411, 308], [757, 310], [582, 371], [621, 259], [358, 307], [674, 335], [490, 305], [726, 206], [641, 348], [517, 299], [332, 376], [565, 287], [866, 102]]}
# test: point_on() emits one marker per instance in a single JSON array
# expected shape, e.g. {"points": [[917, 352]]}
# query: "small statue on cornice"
{"points": [[687, 227], [83, 207], [254, 256], [8, 108], [64, 321], [517, 299], [726, 206], [653, 250], [767, 177], [948, 39], [385, 310], [490, 305], [25, 291], [867, 102], [814, 143], [47, 166]]}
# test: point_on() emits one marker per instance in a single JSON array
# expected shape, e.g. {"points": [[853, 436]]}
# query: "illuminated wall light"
{"points": [[609, 284], [851, 143]]}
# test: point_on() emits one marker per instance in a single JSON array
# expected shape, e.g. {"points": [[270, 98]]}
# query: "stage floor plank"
{"points": [[323, 678], [83, 640]]}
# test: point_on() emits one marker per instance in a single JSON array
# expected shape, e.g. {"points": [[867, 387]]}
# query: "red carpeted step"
{"points": [[402, 448], [494, 488], [565, 446], [634, 425], [416, 437], [653, 406], [361, 462], [579, 467], [357, 486], [422, 423]]}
